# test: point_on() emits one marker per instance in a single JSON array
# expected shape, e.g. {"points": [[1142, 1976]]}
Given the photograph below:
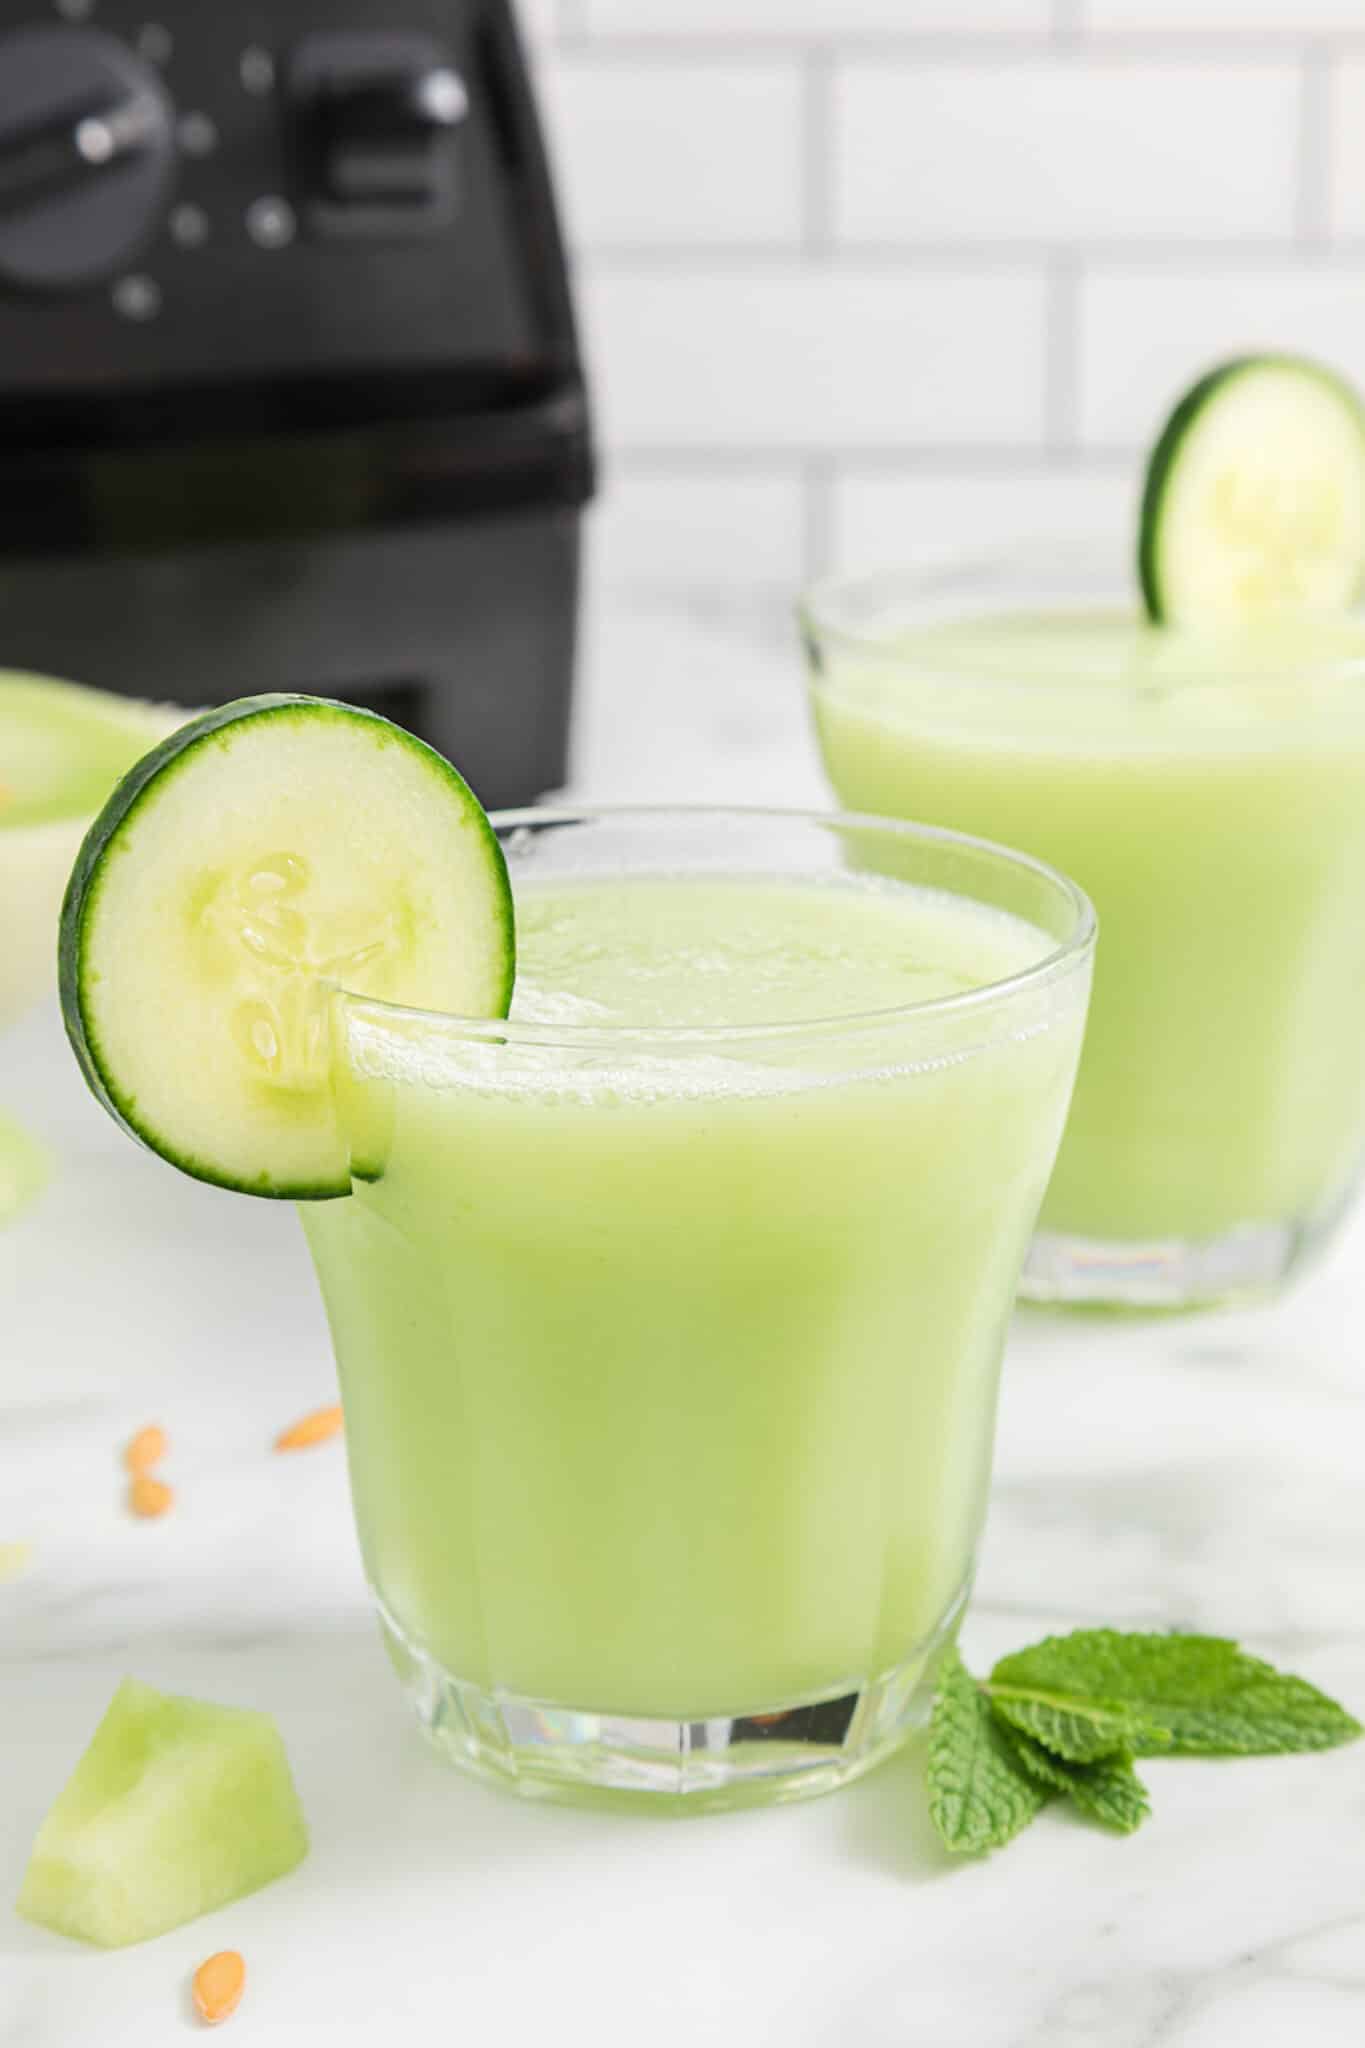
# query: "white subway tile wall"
{"points": [[715, 528], [1025, 150], [736, 18], [1228, 17], [779, 358], [880, 518], [1140, 331], [722, 142], [857, 276], [1346, 190]]}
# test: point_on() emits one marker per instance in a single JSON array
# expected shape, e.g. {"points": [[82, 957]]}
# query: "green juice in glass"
{"points": [[670, 1320], [1209, 795]]}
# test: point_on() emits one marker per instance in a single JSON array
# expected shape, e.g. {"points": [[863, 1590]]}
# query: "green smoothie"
{"points": [[1209, 795], [669, 1330]]}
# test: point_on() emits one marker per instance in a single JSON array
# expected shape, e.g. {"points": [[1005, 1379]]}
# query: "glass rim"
{"points": [[1061, 959], [931, 572]]}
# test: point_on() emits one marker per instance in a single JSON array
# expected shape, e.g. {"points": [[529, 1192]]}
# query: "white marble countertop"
{"points": [[1203, 1471]]}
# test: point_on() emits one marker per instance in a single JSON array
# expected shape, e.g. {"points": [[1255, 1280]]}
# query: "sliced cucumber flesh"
{"points": [[262, 854], [1254, 501]]}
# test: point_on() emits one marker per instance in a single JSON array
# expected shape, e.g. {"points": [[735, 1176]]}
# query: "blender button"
{"points": [[270, 223], [137, 297], [197, 134], [190, 226], [155, 42], [257, 69]]}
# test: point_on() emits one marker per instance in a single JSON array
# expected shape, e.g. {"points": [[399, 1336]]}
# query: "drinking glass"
{"points": [[669, 1355], [1209, 795]]}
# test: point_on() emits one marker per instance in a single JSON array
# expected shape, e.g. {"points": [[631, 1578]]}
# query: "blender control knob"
{"points": [[87, 157], [381, 140], [376, 117]]}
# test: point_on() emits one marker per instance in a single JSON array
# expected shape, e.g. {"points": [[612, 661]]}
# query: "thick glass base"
{"points": [[1248, 1264], [793, 1750]]}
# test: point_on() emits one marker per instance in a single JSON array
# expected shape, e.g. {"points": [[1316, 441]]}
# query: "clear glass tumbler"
{"points": [[669, 1355], [1209, 794]]}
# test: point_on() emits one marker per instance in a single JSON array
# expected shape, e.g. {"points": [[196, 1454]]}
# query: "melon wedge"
{"points": [[177, 1807], [62, 749]]}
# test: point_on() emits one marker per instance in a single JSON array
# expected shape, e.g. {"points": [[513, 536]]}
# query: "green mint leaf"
{"points": [[1211, 1696], [1081, 1731], [980, 1797], [1108, 1790], [1112, 1792]]}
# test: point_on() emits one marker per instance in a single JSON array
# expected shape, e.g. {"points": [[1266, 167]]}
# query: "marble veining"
{"points": [[1205, 1471]]}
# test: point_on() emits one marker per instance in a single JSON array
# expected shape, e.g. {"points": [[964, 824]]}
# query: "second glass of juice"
{"points": [[1209, 794], [669, 1313]]}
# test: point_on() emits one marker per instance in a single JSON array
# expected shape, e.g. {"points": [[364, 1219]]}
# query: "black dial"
{"points": [[87, 157]]}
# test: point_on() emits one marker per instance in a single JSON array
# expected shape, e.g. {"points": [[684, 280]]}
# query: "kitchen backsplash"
{"points": [[858, 275]]}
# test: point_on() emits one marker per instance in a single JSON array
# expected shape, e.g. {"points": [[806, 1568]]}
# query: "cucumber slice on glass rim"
{"points": [[262, 854], [1254, 499]]}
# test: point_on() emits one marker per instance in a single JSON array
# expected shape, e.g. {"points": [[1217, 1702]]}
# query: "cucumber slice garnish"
{"points": [[1254, 501], [261, 854]]}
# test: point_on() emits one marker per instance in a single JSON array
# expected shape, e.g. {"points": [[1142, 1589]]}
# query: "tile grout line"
{"points": [[817, 151], [571, 30], [817, 514], [1312, 196], [1061, 356], [1152, 255], [952, 458], [1068, 33]]}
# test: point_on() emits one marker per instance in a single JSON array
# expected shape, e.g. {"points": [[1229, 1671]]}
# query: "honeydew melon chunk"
{"points": [[177, 1807], [62, 749]]}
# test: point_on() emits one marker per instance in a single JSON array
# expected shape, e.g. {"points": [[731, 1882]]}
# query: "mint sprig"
{"points": [[1082, 1731], [1210, 1696], [1068, 1717], [1108, 1790], [979, 1794]]}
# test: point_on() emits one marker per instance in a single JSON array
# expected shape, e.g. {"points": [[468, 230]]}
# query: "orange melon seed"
{"points": [[149, 1497], [144, 1450], [310, 1429], [218, 1985]]}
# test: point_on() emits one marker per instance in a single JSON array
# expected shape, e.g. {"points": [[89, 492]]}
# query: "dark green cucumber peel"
{"points": [[1159, 465], [83, 890], [1165, 454]]}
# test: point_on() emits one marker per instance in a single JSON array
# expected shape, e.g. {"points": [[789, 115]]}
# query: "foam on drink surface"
{"points": [[633, 961]]}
